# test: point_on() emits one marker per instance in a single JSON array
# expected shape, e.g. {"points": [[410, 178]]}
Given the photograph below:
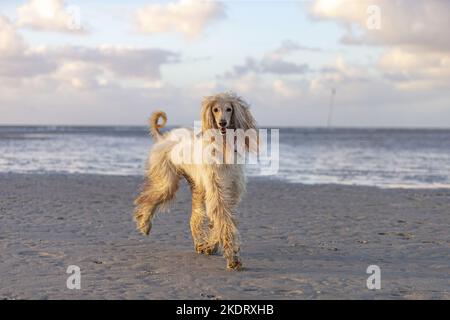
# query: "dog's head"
{"points": [[226, 111]]}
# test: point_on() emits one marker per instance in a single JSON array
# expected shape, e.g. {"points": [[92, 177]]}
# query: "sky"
{"points": [[82, 62]]}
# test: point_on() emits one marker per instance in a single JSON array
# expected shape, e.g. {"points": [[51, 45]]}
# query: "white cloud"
{"points": [[188, 17], [65, 84], [419, 24], [10, 42], [268, 65], [416, 70], [122, 85], [19, 61], [48, 15], [16, 60], [414, 35], [289, 46], [83, 85], [274, 62], [365, 96], [79, 75], [118, 63], [121, 61]]}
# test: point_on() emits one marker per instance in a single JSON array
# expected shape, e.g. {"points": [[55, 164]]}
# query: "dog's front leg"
{"points": [[220, 205], [198, 218]]}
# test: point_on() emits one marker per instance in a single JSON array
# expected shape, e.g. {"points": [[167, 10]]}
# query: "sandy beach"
{"points": [[298, 242]]}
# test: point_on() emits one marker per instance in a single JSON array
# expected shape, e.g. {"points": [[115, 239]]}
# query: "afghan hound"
{"points": [[216, 187]]}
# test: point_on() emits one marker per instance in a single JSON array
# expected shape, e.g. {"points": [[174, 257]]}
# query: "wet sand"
{"points": [[298, 242]]}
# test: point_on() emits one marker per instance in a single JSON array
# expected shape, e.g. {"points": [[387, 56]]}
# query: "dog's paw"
{"points": [[206, 248], [144, 227], [235, 264]]}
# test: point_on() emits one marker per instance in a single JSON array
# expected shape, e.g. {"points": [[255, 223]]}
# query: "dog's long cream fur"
{"points": [[216, 188]]}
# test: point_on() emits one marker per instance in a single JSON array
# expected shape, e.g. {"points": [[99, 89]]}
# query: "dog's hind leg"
{"points": [[146, 205], [143, 214], [158, 190]]}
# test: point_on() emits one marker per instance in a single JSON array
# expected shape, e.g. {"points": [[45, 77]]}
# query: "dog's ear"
{"points": [[242, 117], [207, 116]]}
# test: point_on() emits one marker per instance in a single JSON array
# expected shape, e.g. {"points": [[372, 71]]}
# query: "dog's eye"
{"points": [[216, 110], [228, 109]]}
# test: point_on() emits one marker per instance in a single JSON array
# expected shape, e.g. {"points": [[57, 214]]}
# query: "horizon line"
{"points": [[260, 126]]}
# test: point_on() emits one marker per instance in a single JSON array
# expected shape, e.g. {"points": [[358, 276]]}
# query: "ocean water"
{"points": [[409, 158]]}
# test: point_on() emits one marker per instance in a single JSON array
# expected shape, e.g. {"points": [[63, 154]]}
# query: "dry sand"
{"points": [[299, 242]]}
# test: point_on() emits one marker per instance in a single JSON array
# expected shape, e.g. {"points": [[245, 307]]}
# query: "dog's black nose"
{"points": [[222, 123]]}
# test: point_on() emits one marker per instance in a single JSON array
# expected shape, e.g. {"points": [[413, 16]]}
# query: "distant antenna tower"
{"points": [[330, 111]]}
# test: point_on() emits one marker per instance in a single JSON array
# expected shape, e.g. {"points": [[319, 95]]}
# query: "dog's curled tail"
{"points": [[154, 126]]}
